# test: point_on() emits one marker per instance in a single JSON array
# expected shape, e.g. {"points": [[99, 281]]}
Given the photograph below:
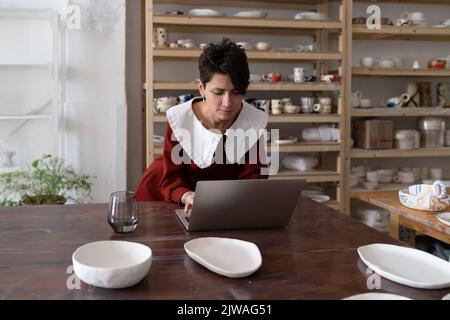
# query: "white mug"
{"points": [[365, 103], [436, 173], [368, 62]]}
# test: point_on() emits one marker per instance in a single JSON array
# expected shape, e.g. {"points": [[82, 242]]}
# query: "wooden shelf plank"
{"points": [[394, 72], [361, 32], [292, 148], [294, 118], [258, 86], [306, 147], [305, 118], [252, 55], [395, 153], [268, 4], [386, 187], [401, 112], [411, 1], [308, 176], [234, 22]]}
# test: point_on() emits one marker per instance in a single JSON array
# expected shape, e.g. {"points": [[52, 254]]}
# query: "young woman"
{"points": [[203, 137]]}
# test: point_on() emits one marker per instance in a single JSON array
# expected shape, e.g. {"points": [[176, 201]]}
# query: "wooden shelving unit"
{"points": [[321, 30], [409, 33]]}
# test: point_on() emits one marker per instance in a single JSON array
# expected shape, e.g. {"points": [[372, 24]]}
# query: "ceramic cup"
{"points": [[436, 173], [307, 104], [404, 177], [365, 103], [372, 176], [271, 77], [386, 63], [322, 108], [277, 106], [299, 75], [263, 105], [161, 37], [263, 46], [368, 62]]}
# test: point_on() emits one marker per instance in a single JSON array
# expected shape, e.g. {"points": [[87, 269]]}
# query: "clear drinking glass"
{"points": [[123, 216]]}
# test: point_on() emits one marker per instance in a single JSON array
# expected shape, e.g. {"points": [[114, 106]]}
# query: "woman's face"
{"points": [[224, 102]]}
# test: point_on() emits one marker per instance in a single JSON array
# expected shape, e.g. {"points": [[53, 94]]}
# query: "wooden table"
{"points": [[315, 257], [418, 221]]}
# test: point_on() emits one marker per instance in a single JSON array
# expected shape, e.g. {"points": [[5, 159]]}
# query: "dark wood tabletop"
{"points": [[314, 257]]}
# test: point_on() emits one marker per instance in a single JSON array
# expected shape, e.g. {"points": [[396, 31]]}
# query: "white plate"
{"points": [[112, 264], [444, 217], [228, 257], [446, 297], [319, 198], [205, 13], [407, 266], [376, 296], [286, 141], [251, 14]]}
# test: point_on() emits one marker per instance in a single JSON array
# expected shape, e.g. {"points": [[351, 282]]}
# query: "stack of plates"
{"points": [[205, 13], [310, 16], [251, 14]]}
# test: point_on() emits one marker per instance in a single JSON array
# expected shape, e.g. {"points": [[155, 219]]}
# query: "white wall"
{"points": [[95, 106]]}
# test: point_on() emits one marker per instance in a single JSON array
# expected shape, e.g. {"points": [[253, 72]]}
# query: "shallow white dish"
{"points": [[228, 257], [251, 14], [407, 266], [444, 217], [112, 264], [320, 198], [205, 13], [446, 297], [288, 140], [376, 296]]}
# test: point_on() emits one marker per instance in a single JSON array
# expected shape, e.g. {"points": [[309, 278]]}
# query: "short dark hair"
{"points": [[225, 57]]}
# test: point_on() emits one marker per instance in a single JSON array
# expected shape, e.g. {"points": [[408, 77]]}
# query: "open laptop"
{"points": [[242, 204]]}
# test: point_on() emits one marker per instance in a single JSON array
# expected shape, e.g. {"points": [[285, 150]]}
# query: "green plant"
{"points": [[49, 181]]}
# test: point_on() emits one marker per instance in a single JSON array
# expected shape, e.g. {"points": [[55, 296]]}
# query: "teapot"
{"points": [[355, 99]]}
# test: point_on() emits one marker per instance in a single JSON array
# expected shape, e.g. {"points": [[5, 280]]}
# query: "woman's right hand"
{"points": [[188, 200]]}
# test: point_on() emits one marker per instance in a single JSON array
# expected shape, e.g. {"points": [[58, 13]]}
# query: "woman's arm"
{"points": [[174, 183]]}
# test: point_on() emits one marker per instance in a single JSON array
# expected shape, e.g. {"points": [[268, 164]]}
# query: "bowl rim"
{"points": [[150, 255]]}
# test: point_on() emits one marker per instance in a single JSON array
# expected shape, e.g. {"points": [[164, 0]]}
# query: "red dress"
{"points": [[165, 181]]}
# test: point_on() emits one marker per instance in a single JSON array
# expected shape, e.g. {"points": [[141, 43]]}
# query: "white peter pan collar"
{"points": [[186, 127]]}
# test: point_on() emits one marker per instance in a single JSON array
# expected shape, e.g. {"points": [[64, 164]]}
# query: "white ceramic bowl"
{"points": [[112, 264]]}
